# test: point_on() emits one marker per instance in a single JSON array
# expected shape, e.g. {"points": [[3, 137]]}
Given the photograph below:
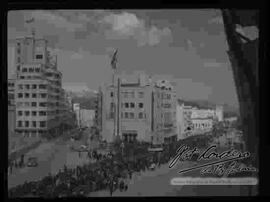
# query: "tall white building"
{"points": [[146, 111], [41, 107]]}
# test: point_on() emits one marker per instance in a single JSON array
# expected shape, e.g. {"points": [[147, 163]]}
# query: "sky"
{"points": [[187, 47]]}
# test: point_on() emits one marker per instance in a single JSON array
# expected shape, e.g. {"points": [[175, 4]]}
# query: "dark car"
{"points": [[32, 162]]}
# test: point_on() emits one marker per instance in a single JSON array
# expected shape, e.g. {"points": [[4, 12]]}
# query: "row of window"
{"points": [[129, 115], [128, 105], [30, 77], [34, 95], [202, 125], [10, 84], [34, 113], [33, 86], [42, 124], [33, 104], [38, 56], [164, 96], [31, 69], [130, 94]]}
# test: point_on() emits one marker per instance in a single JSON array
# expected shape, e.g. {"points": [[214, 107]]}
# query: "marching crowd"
{"points": [[109, 172]]}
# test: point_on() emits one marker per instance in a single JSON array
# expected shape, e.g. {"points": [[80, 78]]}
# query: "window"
{"points": [[34, 104], [21, 77], [43, 95], [34, 113], [42, 113], [34, 86], [26, 123], [131, 115], [140, 105], [20, 86], [140, 115], [18, 59], [111, 94], [20, 113], [37, 69], [18, 50], [42, 124], [19, 123], [31, 69], [126, 115], [111, 115], [141, 94], [42, 104], [27, 113], [126, 105], [112, 106], [24, 70], [26, 95], [34, 95], [34, 124], [42, 86], [27, 86], [18, 67], [26, 104], [20, 95], [39, 56], [132, 105]]}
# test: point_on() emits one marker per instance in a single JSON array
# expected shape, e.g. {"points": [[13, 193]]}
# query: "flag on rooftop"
{"points": [[114, 60]]}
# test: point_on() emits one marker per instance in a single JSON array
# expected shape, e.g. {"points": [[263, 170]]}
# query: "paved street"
{"points": [[52, 156]]}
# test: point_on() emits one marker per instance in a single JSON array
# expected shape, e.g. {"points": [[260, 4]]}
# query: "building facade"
{"points": [[145, 113], [193, 121], [41, 107], [11, 114]]}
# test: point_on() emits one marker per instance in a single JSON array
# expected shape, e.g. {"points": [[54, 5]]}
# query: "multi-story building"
{"points": [[11, 113], [184, 123], [11, 91], [194, 121], [146, 111], [41, 108]]}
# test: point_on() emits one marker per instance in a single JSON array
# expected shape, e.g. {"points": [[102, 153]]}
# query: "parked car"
{"points": [[152, 166], [32, 162]]}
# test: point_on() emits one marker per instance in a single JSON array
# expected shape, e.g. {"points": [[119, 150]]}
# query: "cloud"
{"points": [[216, 20], [127, 25], [56, 20]]}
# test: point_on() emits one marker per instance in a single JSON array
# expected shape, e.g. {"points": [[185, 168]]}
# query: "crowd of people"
{"points": [[17, 163], [108, 172]]}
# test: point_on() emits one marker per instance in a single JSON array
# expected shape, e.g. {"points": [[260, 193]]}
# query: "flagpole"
{"points": [[115, 107]]}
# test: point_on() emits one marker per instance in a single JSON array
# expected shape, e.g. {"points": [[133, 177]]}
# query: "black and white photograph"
{"points": [[132, 102]]}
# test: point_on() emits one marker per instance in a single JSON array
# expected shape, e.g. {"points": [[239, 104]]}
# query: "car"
{"points": [[32, 162], [152, 166]]}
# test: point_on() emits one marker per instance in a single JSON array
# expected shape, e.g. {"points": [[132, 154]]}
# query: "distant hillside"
{"points": [[202, 104]]}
